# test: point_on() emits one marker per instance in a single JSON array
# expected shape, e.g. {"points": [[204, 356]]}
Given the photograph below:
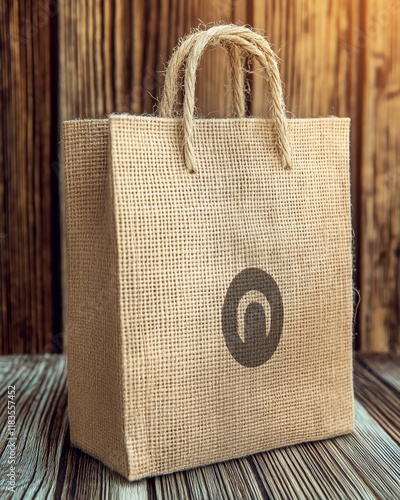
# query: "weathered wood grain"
{"points": [[379, 397], [28, 142], [379, 39], [385, 367], [360, 465], [113, 58], [320, 71], [338, 58]]}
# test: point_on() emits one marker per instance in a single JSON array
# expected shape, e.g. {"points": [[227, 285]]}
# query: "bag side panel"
{"points": [[95, 402]]}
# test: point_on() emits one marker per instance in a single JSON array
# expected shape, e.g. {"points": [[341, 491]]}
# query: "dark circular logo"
{"points": [[258, 345]]}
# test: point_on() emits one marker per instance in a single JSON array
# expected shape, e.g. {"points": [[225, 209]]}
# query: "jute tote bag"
{"points": [[209, 270]]}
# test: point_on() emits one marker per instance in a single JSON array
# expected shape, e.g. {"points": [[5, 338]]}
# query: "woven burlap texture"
{"points": [[151, 252]]}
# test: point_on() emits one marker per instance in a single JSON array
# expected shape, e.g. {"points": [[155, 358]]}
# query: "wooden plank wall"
{"points": [[338, 58], [28, 203], [380, 176]]}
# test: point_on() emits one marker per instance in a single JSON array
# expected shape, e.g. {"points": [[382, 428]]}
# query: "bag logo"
{"points": [[258, 345]]}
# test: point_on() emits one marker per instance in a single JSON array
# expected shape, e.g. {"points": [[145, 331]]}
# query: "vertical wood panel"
{"points": [[338, 58], [128, 59], [136, 41], [343, 58], [379, 40], [320, 70], [313, 39], [26, 281]]}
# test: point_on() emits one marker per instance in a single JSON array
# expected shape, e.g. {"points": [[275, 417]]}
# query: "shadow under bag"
{"points": [[209, 273]]}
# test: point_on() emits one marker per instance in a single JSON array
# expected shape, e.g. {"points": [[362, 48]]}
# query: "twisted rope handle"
{"points": [[235, 39], [169, 96], [255, 45], [237, 79]]}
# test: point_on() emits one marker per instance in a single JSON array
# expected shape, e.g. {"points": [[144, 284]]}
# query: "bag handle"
{"points": [[256, 46], [172, 82]]}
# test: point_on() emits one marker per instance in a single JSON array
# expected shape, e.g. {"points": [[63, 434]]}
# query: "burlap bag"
{"points": [[209, 274]]}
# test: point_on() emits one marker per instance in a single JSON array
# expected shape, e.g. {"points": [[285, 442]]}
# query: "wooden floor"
{"points": [[365, 464]]}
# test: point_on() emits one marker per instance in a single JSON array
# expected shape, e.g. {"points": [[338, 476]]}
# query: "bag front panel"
{"points": [[197, 390]]}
